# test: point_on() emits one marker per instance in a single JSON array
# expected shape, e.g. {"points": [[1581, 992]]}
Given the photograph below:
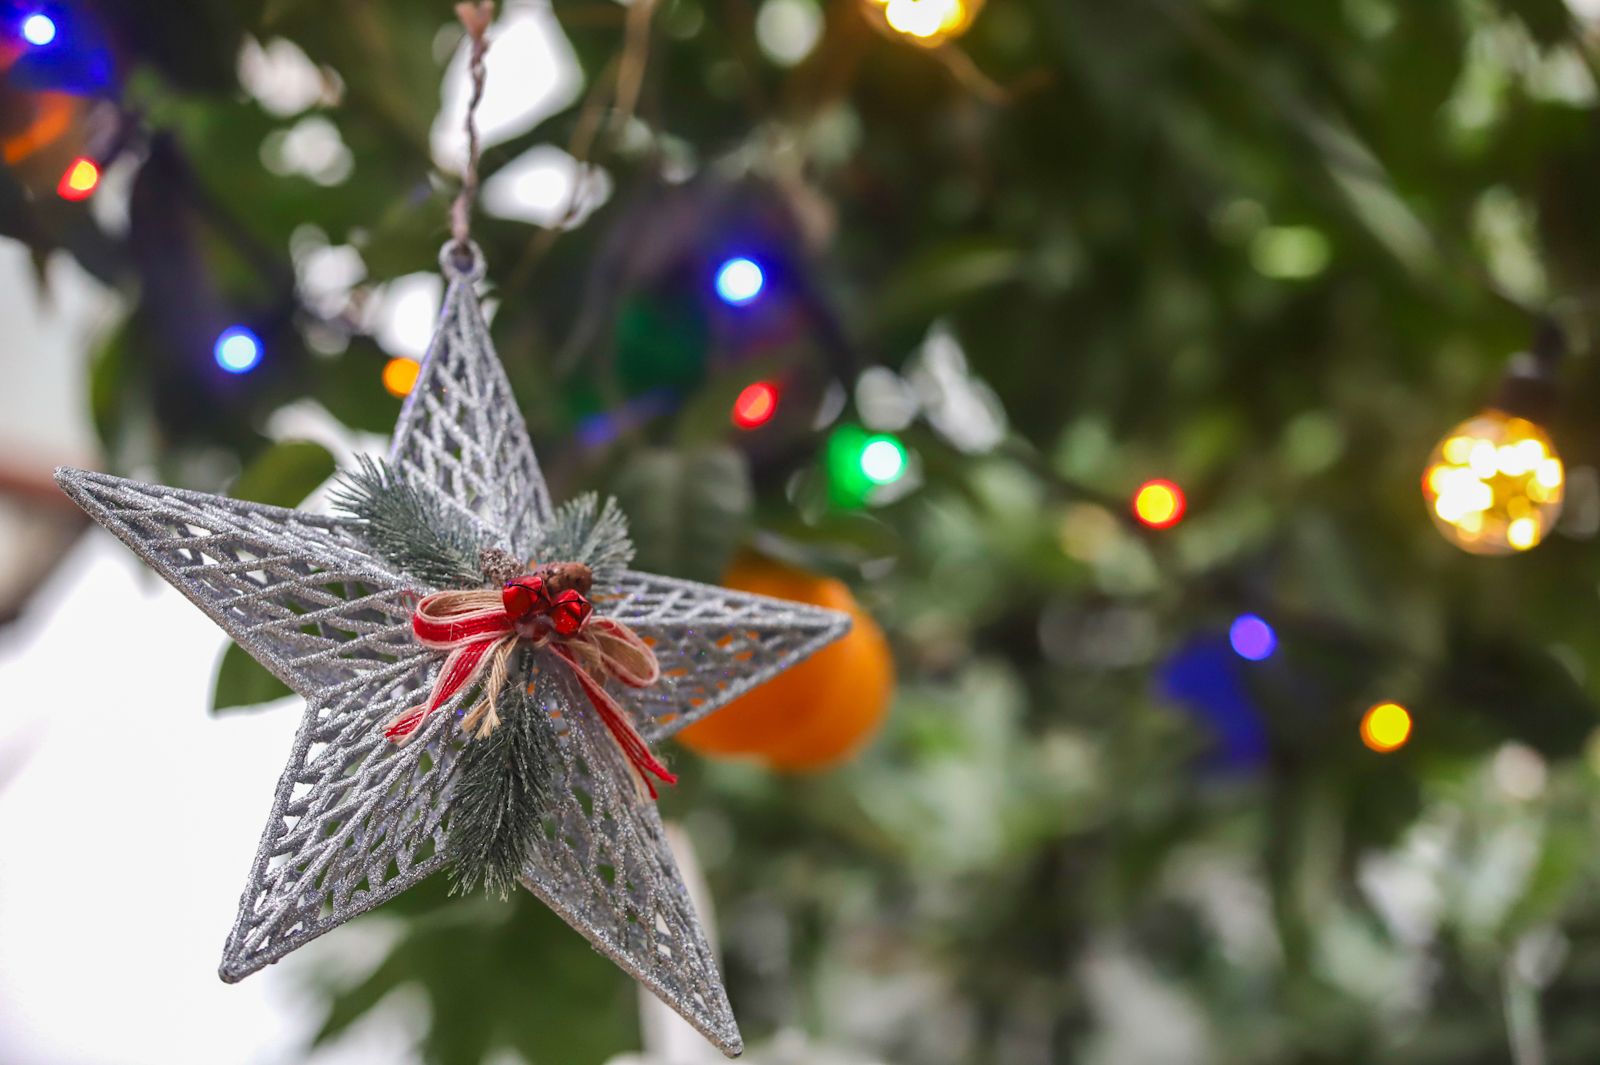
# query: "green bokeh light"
{"points": [[859, 462]]}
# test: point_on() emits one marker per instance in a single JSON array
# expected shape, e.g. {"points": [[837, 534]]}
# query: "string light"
{"points": [[755, 406], [924, 22], [400, 376], [1495, 484], [38, 29], [1386, 727], [237, 350], [79, 181], [883, 459], [740, 281], [859, 462], [1252, 638], [1159, 504]]}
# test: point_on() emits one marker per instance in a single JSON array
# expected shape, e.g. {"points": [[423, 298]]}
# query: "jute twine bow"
{"points": [[481, 629]]}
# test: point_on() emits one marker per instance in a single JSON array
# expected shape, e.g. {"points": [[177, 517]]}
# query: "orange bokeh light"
{"points": [[80, 179], [1386, 727], [1159, 504], [400, 376], [756, 405]]}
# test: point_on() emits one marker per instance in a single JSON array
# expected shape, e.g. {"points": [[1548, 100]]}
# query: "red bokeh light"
{"points": [[80, 180], [756, 405]]}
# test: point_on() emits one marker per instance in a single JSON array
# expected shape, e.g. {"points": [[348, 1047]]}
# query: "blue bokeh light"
{"points": [[237, 350], [1252, 638], [739, 281], [38, 29], [1208, 682]]}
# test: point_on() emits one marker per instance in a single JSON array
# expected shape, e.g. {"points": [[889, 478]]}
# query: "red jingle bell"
{"points": [[569, 612], [523, 596]]}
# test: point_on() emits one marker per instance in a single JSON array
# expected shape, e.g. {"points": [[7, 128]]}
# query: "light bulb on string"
{"points": [[1495, 484], [755, 405], [237, 350], [39, 29], [859, 463], [400, 376], [79, 180], [1252, 638], [740, 281], [925, 22], [883, 459], [1159, 504], [1386, 727]]}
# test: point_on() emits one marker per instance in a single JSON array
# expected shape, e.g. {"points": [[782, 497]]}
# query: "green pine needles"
{"points": [[416, 534], [409, 527], [585, 531], [505, 786]]}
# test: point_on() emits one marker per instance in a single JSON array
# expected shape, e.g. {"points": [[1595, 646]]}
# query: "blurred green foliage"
{"points": [[1271, 249]]}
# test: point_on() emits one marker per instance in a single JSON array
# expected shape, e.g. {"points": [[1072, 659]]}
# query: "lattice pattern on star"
{"points": [[714, 644], [605, 866], [299, 592], [462, 434], [355, 821]]}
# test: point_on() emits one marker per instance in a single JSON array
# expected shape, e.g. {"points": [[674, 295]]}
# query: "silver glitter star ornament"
{"points": [[358, 819]]}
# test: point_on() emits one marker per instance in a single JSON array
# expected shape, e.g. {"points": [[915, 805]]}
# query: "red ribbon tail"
{"points": [[460, 669], [616, 721], [403, 726]]}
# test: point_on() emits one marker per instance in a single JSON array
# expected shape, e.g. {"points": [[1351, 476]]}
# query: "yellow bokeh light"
{"points": [[926, 22], [400, 376], [1494, 485], [1386, 727], [1159, 504]]}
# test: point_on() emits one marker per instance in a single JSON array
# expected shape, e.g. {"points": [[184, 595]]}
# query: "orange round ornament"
{"points": [[816, 715]]}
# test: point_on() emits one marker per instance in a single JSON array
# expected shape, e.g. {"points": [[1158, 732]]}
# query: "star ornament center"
{"points": [[357, 817]]}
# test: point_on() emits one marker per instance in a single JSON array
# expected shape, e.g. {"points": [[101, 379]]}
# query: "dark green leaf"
{"points": [[284, 474], [244, 682]]}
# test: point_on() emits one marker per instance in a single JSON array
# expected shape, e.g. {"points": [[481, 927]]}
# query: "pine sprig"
{"points": [[585, 531], [408, 527], [504, 787]]}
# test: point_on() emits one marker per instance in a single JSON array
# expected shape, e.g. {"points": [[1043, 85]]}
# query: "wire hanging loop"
{"points": [[475, 17]]}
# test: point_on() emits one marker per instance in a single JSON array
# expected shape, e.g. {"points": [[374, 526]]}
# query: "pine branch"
{"points": [[504, 788], [408, 527], [584, 531]]}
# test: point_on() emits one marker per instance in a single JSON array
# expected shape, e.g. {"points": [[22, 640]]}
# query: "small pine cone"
{"points": [[498, 566]]}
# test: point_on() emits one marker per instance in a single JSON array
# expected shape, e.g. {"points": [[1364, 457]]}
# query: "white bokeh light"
{"points": [[283, 80], [406, 311], [787, 30], [537, 187], [311, 148]]}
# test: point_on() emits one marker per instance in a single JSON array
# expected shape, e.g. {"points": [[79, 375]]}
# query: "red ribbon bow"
{"points": [[480, 629]]}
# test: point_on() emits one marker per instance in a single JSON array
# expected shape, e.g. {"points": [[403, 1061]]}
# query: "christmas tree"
{"points": [[1095, 352]]}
